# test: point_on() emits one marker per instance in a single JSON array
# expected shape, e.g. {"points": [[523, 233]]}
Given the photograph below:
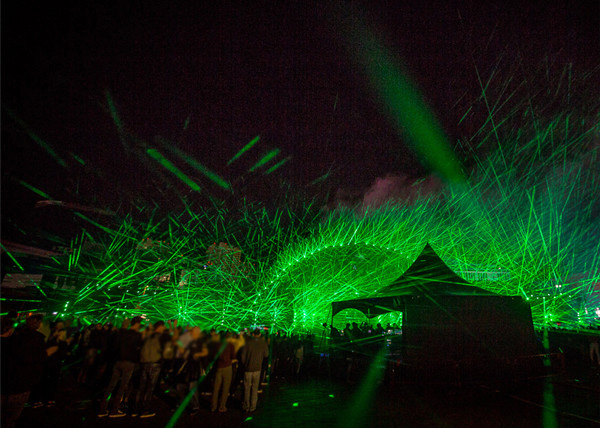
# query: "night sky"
{"points": [[233, 71]]}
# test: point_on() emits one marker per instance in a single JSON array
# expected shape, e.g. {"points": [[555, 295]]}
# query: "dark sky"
{"points": [[238, 70]]}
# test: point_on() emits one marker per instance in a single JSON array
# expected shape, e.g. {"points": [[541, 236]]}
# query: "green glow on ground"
{"points": [[549, 407], [358, 409], [549, 419]]}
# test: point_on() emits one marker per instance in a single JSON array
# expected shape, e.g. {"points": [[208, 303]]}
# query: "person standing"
{"points": [[97, 352], [192, 369], [56, 348], [150, 359], [223, 376], [23, 357], [252, 356], [130, 342], [595, 350]]}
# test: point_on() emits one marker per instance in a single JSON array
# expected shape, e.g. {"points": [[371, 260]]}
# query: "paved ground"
{"points": [[319, 401]]}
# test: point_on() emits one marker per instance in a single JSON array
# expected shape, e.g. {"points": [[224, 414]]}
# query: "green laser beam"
{"points": [[35, 137], [12, 257], [34, 189], [155, 154], [277, 165], [244, 149], [215, 178], [402, 101], [264, 160]]}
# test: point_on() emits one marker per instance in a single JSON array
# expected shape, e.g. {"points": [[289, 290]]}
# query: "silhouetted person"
{"points": [[192, 368], [130, 342], [252, 356], [150, 358], [348, 333], [595, 350], [223, 376], [56, 348], [356, 331], [23, 356]]}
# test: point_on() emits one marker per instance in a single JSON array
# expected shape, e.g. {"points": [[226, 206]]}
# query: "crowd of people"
{"points": [[353, 331], [126, 366]]}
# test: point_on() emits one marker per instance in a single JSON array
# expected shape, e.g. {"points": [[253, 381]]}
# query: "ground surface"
{"points": [[312, 401]]}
